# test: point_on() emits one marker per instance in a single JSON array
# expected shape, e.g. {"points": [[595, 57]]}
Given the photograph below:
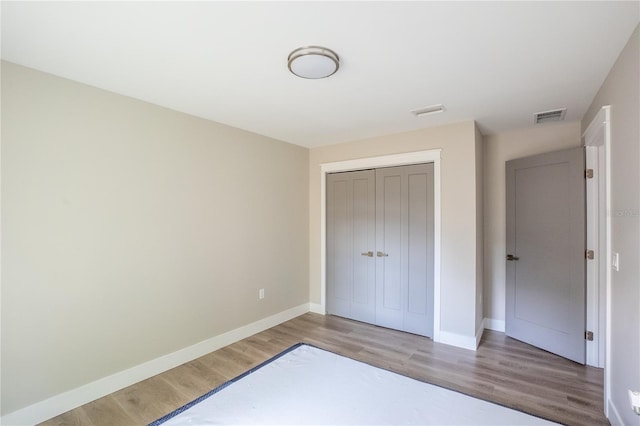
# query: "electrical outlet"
{"points": [[261, 293]]}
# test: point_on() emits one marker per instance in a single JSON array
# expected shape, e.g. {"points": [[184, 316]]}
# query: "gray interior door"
{"points": [[350, 245], [545, 266], [380, 247], [404, 247]]}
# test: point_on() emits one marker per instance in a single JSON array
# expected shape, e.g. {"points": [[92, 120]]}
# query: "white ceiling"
{"points": [[494, 62]]}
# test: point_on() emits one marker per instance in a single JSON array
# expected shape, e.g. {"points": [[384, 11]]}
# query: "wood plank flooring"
{"points": [[502, 370]]}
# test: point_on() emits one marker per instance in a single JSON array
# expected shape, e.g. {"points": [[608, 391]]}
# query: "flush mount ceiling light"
{"points": [[313, 62]]}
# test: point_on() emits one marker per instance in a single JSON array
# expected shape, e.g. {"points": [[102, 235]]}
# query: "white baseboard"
{"points": [[613, 414], [317, 308], [494, 324], [479, 334], [66, 401], [459, 340]]}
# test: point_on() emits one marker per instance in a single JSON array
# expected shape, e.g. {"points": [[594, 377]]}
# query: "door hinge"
{"points": [[588, 335], [589, 254], [588, 174]]}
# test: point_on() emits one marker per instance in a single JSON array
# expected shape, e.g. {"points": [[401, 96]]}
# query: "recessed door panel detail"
{"points": [[361, 273], [390, 241], [417, 243], [342, 265], [544, 236], [545, 263]]}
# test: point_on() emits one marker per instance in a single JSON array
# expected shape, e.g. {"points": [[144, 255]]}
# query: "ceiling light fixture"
{"points": [[433, 109], [313, 62]]}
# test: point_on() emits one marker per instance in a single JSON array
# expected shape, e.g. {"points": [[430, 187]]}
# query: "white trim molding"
{"points": [[317, 308], [494, 324], [460, 340], [56, 405], [479, 334], [417, 157], [597, 137], [613, 413]]}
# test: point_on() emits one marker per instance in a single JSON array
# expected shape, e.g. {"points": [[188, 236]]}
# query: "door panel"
{"points": [[545, 289], [419, 312], [351, 232], [404, 215]]}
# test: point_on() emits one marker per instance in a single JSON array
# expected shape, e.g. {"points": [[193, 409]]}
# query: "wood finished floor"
{"points": [[502, 370]]}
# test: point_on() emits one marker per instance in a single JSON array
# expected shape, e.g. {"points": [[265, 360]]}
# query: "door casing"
{"points": [[417, 157], [597, 136]]}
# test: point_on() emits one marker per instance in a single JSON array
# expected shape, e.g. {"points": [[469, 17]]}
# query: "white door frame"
{"points": [[429, 156], [596, 268], [597, 141]]}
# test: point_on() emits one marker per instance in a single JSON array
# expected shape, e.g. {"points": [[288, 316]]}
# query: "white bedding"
{"points": [[311, 386]]}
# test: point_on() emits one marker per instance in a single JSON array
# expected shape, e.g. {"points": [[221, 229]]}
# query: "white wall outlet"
{"points": [[261, 293], [615, 261], [634, 400]]}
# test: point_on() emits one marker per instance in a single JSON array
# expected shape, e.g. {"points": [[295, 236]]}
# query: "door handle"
{"points": [[512, 257], [368, 254], [381, 254]]}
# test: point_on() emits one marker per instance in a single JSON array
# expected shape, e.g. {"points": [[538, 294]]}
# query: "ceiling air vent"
{"points": [[547, 116], [433, 109]]}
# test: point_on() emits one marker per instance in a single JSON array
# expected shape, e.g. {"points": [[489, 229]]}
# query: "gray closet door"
{"points": [[404, 248], [545, 288], [350, 245], [380, 247]]}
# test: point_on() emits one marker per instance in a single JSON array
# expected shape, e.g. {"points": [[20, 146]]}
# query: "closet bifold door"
{"points": [[404, 248], [351, 244]]}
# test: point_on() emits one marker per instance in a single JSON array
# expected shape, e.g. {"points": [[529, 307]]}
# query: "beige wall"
{"points": [[621, 90], [130, 231], [497, 150], [458, 172]]}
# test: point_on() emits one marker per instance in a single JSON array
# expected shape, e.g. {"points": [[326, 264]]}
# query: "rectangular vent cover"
{"points": [[433, 109], [547, 116]]}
